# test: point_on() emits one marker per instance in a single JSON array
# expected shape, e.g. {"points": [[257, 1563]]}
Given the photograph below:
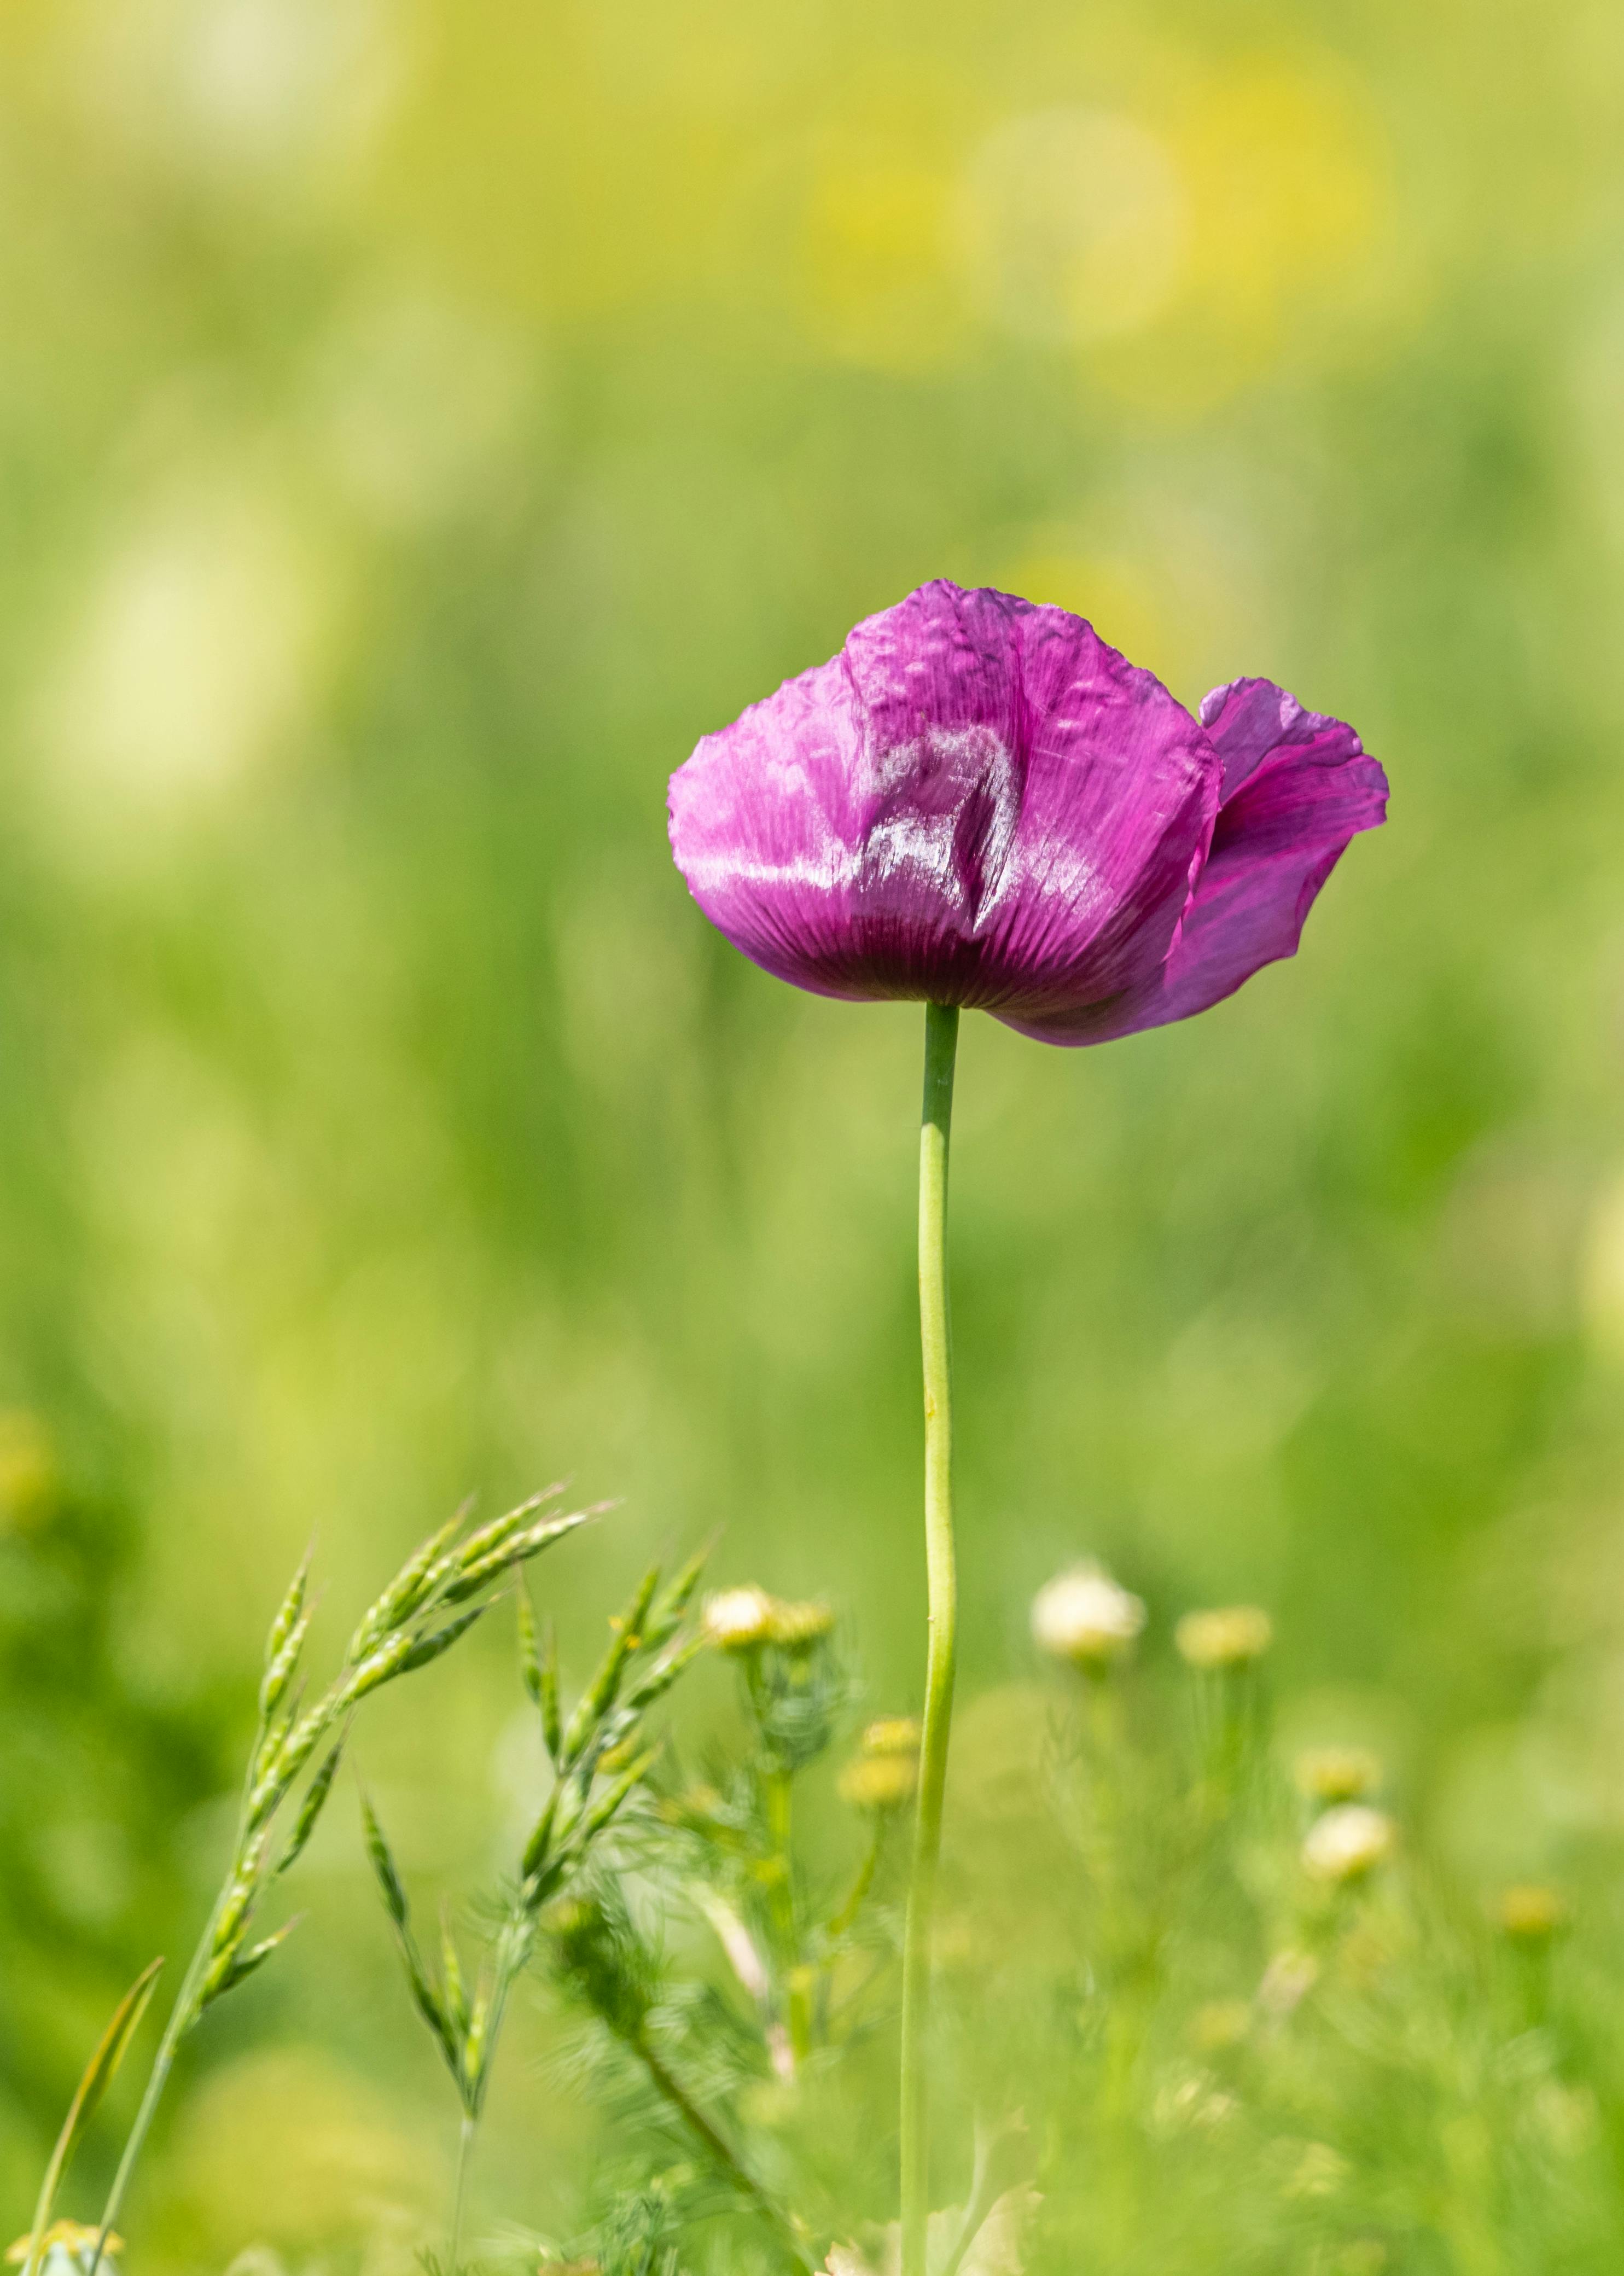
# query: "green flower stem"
{"points": [[182, 2017], [857, 1894], [460, 2189], [671, 2088], [798, 2007], [941, 1047]]}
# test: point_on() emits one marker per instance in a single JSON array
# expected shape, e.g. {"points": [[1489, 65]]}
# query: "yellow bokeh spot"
{"points": [[1285, 175], [876, 293], [27, 1471], [1602, 1274], [1113, 597], [1287, 186], [1070, 226]]}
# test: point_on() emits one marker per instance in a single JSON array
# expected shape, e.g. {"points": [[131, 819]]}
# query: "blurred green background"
{"points": [[420, 420]]}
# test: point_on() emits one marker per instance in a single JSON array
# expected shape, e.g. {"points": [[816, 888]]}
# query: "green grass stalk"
{"points": [[941, 1049]]}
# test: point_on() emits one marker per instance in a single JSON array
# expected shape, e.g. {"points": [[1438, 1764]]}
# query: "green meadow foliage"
{"points": [[418, 424]]}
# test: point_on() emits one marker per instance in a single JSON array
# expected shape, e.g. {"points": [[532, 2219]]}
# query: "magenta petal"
{"points": [[1298, 787], [764, 829], [978, 802]]}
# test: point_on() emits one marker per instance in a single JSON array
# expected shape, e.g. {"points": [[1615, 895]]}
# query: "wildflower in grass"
{"points": [[1325, 1775], [1234, 1636], [66, 2249], [449, 1582], [1082, 1616], [1348, 1843], [600, 1756], [1531, 1914], [978, 803]]}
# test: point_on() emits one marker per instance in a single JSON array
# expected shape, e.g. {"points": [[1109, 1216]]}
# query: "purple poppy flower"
{"points": [[978, 802]]}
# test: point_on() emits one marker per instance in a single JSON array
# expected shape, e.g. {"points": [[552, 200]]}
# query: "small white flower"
{"points": [[1083, 1616], [739, 1619], [1348, 1842], [65, 2248], [1287, 1982]]}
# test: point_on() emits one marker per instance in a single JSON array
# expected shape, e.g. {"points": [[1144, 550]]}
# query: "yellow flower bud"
{"points": [[1531, 1914], [893, 1734], [1232, 1636], [797, 1628], [880, 1782], [1327, 1774]]}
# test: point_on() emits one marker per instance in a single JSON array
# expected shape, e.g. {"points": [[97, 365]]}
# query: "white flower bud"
{"points": [[1348, 1842], [1082, 1616], [738, 1619]]}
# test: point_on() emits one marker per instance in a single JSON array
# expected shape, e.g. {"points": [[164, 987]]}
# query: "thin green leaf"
{"points": [[99, 2073]]}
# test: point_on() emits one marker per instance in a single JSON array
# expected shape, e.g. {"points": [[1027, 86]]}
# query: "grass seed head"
{"points": [[383, 1865], [280, 1666], [409, 1589]]}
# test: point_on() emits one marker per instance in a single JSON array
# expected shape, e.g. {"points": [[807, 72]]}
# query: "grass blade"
{"points": [[99, 2073]]}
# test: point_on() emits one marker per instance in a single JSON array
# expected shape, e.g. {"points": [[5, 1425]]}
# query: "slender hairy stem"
{"points": [[941, 1047], [858, 1892], [671, 2087], [465, 2146], [798, 2011]]}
